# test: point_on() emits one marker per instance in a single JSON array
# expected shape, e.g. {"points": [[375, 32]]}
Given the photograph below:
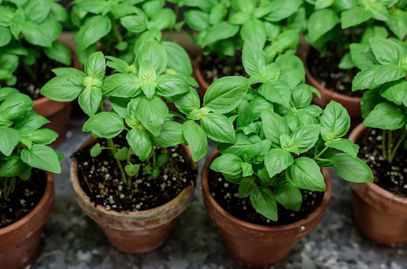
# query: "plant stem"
{"points": [[30, 72], [397, 146], [384, 144], [113, 148], [390, 144], [322, 152], [116, 31]]}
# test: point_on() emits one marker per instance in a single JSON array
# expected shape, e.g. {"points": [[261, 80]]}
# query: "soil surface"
{"points": [[26, 196], [31, 79], [214, 67], [227, 195], [390, 176], [325, 69], [100, 179]]}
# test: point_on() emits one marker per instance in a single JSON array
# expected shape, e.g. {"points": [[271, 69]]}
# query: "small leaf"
{"points": [[277, 160], [196, 139], [140, 143], [344, 145], [219, 128], [9, 139], [96, 125], [352, 169], [264, 203], [386, 116], [96, 150], [306, 174], [335, 121]]}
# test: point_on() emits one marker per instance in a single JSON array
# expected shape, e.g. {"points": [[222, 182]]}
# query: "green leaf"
{"points": [[386, 51], [31, 122], [171, 135], [37, 10], [140, 143], [152, 114], [36, 35], [397, 23], [121, 85], [16, 107], [197, 20], [41, 157], [186, 103], [219, 128], [228, 164], [277, 160], [289, 196], [396, 93], [5, 36], [346, 62], [96, 65], [225, 94], [302, 139], [178, 58], [42, 136], [148, 79], [135, 23], [153, 52], [306, 174], [335, 121], [282, 9], [362, 56], [291, 69], [321, 22], [163, 19], [96, 125], [344, 145], [376, 76], [264, 203], [253, 31], [170, 85], [9, 139], [253, 58], [92, 31], [65, 88], [121, 154], [277, 91], [196, 139], [246, 187], [273, 126], [90, 100], [96, 150], [354, 16], [153, 6], [59, 52], [218, 32], [386, 116], [132, 169], [352, 169], [12, 167]]}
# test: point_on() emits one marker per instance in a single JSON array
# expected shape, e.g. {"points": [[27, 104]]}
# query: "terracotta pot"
{"points": [[20, 241], [203, 84], [255, 245], [380, 214], [352, 104], [134, 232]]}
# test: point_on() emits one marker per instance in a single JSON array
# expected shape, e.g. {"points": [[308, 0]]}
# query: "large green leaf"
{"points": [[219, 128], [41, 157], [97, 125], [277, 160], [352, 169], [9, 139], [335, 121], [386, 116], [306, 174], [196, 139], [94, 28], [140, 143]]}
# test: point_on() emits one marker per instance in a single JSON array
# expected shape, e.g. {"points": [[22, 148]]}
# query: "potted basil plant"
{"points": [[331, 27], [222, 26], [135, 177], [381, 207], [26, 182], [271, 187], [29, 50]]}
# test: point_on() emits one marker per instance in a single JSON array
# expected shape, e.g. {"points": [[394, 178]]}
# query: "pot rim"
{"points": [[23, 221], [355, 136], [188, 191], [256, 227], [324, 90]]}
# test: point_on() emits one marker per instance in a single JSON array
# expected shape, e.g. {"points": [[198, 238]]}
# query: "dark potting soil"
{"points": [[227, 196], [31, 79], [390, 176], [325, 69], [100, 179], [214, 67], [26, 196]]}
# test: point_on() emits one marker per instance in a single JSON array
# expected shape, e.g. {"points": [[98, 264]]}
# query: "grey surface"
{"points": [[72, 241]]}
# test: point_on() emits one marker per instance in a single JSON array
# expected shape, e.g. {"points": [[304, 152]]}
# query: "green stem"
{"points": [[30, 72], [154, 158], [384, 144], [322, 152], [113, 148], [390, 143], [397, 146]]}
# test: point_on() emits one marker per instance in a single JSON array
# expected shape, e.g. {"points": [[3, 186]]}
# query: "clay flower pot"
{"points": [[20, 241], [134, 232], [256, 245], [352, 104], [203, 84], [380, 214]]}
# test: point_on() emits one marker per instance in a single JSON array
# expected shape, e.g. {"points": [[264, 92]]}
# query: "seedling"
{"points": [[224, 25], [383, 65], [119, 28], [23, 145], [28, 31], [139, 94], [282, 140]]}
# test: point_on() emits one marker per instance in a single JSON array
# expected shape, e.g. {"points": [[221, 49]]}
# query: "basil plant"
{"points": [[23, 143], [223, 25], [282, 140], [139, 94], [383, 73], [328, 19], [28, 31], [119, 27]]}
